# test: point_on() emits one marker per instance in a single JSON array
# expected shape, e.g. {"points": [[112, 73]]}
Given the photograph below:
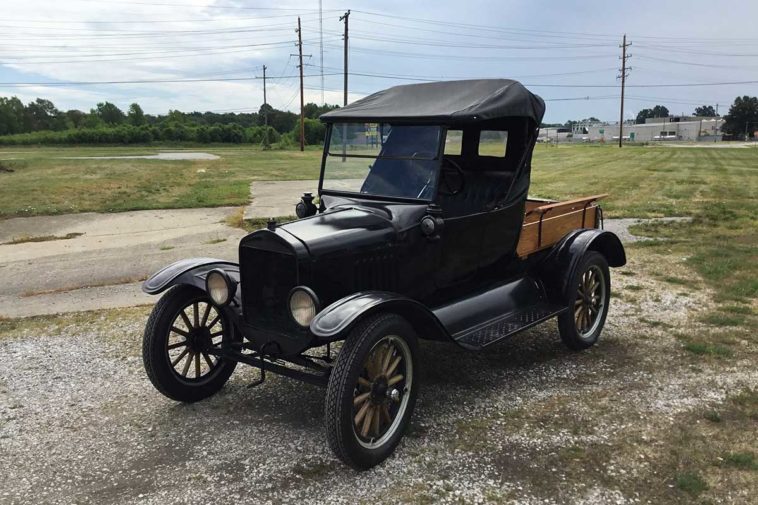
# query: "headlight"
{"points": [[303, 305], [220, 287]]}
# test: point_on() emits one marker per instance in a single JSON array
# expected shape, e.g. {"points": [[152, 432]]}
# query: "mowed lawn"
{"points": [[642, 181], [43, 181]]}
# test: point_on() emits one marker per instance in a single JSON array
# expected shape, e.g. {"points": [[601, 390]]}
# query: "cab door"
{"points": [[460, 248]]}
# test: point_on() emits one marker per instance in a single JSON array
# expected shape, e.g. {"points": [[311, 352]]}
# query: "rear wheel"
{"points": [[588, 297], [372, 391], [183, 327]]}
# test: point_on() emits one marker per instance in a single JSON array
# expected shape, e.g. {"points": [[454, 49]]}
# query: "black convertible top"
{"points": [[444, 102]]}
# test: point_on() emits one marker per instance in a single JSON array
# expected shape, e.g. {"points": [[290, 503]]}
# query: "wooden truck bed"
{"points": [[546, 222]]}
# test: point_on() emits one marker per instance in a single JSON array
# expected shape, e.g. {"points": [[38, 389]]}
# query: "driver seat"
{"points": [[481, 191]]}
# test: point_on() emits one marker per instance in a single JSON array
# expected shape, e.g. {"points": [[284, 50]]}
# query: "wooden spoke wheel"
{"points": [[590, 300], [590, 289], [372, 390], [180, 333], [195, 330], [381, 392]]}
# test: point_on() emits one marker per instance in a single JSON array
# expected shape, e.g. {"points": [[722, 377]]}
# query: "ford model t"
{"points": [[423, 229]]}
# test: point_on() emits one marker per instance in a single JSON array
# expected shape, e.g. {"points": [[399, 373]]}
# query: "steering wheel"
{"points": [[448, 187]]}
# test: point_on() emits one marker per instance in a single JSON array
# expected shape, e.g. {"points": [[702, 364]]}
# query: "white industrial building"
{"points": [[686, 128]]}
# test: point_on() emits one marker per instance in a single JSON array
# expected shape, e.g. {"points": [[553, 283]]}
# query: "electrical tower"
{"points": [[624, 69]]}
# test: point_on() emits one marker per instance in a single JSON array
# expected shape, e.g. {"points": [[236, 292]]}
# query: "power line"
{"points": [[178, 54], [229, 7], [144, 81]]}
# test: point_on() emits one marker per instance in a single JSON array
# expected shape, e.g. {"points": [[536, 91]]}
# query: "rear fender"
{"points": [[190, 272], [559, 265], [336, 320]]}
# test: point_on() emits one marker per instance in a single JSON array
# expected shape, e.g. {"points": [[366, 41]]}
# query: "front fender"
{"points": [[556, 269], [336, 320], [191, 272]]}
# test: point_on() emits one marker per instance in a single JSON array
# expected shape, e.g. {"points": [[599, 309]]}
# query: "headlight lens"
{"points": [[218, 286], [303, 306]]}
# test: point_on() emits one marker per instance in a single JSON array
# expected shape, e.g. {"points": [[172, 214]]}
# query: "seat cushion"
{"points": [[481, 191]]}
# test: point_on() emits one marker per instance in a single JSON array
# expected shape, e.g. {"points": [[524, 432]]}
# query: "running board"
{"points": [[494, 331]]}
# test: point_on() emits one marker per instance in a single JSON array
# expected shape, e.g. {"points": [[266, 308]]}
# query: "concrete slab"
{"points": [[278, 198], [76, 300], [114, 249]]}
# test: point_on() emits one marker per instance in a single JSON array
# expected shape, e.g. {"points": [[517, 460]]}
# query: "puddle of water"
{"points": [[160, 156]]}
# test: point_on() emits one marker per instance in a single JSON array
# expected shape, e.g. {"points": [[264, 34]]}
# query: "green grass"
{"points": [[42, 183], [691, 483], [741, 460]]}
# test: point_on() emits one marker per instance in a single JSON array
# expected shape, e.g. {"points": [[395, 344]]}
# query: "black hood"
{"points": [[349, 227]]}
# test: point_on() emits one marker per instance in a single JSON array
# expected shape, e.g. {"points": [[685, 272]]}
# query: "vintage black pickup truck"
{"points": [[422, 229]]}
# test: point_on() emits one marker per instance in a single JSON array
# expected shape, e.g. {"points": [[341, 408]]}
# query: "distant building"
{"points": [[687, 128]]}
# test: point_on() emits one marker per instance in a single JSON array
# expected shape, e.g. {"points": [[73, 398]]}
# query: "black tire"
{"points": [[392, 336], [156, 352], [581, 324]]}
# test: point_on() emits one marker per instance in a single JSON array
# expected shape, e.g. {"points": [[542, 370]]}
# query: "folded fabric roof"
{"points": [[444, 102]]}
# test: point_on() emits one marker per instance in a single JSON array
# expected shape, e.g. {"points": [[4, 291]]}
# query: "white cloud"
{"points": [[66, 30]]}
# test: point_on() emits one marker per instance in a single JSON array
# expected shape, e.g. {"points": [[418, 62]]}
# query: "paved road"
{"points": [[114, 249]]}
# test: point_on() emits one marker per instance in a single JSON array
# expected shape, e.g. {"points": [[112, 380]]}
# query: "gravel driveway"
{"points": [[80, 423]]}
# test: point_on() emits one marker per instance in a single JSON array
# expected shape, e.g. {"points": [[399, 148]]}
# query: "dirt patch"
{"points": [[178, 156], [42, 238]]}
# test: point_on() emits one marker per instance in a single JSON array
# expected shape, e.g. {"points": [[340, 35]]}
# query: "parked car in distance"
{"points": [[422, 229]]}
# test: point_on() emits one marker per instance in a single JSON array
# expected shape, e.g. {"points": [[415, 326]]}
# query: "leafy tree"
{"points": [[743, 115], [76, 118], [313, 111], [11, 116], [657, 111], [41, 114], [705, 111], [314, 131], [109, 113], [135, 115]]}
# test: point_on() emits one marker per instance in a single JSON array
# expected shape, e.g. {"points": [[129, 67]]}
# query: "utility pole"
{"points": [[265, 109], [321, 45], [345, 18], [624, 70], [302, 98]]}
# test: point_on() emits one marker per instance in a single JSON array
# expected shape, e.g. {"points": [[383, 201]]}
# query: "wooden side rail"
{"points": [[553, 207], [547, 224]]}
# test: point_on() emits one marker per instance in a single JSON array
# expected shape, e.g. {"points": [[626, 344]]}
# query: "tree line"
{"points": [[40, 122]]}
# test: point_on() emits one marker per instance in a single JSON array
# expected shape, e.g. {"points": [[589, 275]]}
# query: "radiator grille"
{"points": [[267, 278]]}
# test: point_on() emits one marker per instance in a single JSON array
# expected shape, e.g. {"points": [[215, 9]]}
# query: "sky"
{"points": [[212, 52]]}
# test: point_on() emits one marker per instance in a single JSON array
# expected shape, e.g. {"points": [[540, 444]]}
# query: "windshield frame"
{"points": [[437, 159]]}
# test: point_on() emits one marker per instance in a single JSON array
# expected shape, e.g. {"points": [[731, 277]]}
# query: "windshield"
{"points": [[381, 159]]}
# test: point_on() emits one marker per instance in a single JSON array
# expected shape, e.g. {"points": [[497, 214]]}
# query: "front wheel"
{"points": [[372, 391], [588, 298], [183, 327]]}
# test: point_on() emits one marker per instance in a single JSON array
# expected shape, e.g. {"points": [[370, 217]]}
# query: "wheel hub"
{"points": [[199, 339], [379, 390]]}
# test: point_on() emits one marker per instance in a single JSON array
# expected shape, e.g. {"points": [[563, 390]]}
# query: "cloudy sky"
{"points": [[211, 52]]}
